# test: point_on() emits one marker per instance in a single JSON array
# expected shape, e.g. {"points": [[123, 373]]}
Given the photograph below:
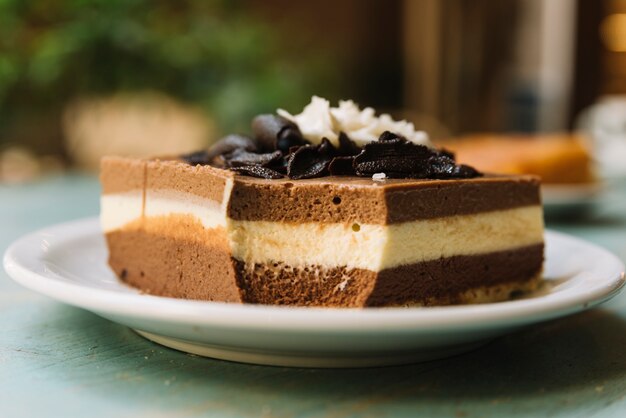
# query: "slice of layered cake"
{"points": [[321, 216]]}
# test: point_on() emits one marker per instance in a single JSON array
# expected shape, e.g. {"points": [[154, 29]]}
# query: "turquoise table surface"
{"points": [[60, 361]]}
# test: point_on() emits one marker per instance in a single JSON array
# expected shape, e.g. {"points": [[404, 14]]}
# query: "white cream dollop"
{"points": [[319, 120], [315, 121]]}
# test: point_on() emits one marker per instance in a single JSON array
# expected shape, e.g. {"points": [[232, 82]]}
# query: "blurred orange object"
{"points": [[556, 158]]}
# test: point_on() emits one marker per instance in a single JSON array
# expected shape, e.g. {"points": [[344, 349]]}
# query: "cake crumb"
{"points": [[379, 176], [342, 285]]}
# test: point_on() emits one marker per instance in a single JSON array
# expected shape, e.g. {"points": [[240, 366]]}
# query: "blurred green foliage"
{"points": [[208, 52]]}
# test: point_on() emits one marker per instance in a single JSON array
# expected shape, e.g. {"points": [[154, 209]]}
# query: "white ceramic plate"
{"points": [[68, 263]]}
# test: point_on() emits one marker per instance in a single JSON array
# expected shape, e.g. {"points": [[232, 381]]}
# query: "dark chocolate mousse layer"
{"points": [[441, 281], [447, 278]]}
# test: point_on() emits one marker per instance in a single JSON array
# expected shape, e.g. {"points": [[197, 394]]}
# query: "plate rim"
{"points": [[302, 319]]}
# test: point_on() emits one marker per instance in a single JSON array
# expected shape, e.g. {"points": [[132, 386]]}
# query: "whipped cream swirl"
{"points": [[319, 120]]}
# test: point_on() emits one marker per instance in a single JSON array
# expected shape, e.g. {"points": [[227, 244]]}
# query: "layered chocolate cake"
{"points": [[321, 215]]}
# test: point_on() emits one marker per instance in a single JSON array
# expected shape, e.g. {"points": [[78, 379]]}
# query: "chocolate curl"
{"points": [[347, 147], [231, 143], [449, 170], [240, 157], [276, 133], [342, 166], [258, 171], [198, 157], [399, 158], [396, 158], [309, 161]]}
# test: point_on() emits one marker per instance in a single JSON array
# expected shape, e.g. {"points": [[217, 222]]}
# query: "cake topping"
{"points": [[347, 146], [258, 171], [310, 161], [319, 120], [342, 166], [283, 148], [276, 133], [198, 157], [399, 158], [231, 143], [224, 146], [240, 157]]}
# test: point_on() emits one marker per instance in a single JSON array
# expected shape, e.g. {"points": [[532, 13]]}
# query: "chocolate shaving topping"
{"points": [[279, 165], [278, 150], [310, 161], [451, 170], [388, 136], [399, 158], [258, 171], [198, 157], [347, 146], [342, 166], [240, 157], [276, 133], [231, 143], [447, 153]]}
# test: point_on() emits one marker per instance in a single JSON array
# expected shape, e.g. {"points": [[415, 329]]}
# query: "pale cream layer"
{"points": [[117, 210], [371, 247], [377, 247], [210, 212]]}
